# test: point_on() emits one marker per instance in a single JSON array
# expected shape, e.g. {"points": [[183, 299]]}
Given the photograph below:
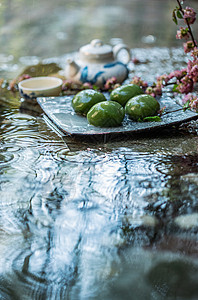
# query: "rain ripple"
{"points": [[8, 154], [87, 156]]}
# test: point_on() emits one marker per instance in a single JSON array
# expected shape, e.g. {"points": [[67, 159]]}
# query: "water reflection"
{"points": [[92, 220], [78, 224]]}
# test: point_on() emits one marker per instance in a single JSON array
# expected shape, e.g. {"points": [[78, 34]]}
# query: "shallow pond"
{"points": [[80, 219]]}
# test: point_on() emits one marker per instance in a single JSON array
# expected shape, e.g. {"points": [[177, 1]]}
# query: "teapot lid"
{"points": [[96, 50]]}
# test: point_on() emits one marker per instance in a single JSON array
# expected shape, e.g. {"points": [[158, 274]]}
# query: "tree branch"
{"points": [[189, 27]]}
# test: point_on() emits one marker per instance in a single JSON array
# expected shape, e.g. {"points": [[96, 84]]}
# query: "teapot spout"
{"points": [[72, 68]]}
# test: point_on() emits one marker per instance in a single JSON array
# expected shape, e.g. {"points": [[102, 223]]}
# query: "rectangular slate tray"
{"points": [[61, 114]]}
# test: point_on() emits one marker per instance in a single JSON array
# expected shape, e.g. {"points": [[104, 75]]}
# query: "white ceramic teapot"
{"points": [[97, 62]]}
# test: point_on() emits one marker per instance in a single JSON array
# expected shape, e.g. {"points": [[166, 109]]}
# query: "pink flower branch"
{"points": [[189, 17], [182, 81]]}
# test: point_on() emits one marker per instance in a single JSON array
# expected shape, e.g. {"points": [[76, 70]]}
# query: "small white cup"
{"points": [[40, 87]]}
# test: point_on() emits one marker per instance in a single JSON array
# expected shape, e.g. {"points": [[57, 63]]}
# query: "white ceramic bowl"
{"points": [[40, 87]]}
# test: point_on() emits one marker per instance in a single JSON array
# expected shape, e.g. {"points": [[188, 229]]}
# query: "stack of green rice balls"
{"points": [[129, 99]]}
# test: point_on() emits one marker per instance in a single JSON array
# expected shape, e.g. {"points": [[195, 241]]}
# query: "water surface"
{"points": [[95, 218], [112, 219]]}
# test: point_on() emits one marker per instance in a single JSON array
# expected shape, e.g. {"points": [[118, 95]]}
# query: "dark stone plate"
{"points": [[62, 115]]}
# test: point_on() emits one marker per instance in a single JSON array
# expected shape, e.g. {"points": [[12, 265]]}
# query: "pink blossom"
{"points": [[189, 66], [178, 74], [191, 100], [154, 90], [183, 33], [67, 84], [188, 97], [163, 78], [190, 14], [185, 86], [87, 85], [192, 69], [188, 46], [194, 52], [138, 81], [23, 77], [150, 91], [158, 88], [110, 83], [194, 73], [194, 105]]}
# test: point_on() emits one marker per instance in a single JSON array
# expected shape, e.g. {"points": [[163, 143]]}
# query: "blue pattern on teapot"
{"points": [[97, 62]]}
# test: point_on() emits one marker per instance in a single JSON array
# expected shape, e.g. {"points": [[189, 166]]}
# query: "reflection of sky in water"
{"points": [[69, 216]]}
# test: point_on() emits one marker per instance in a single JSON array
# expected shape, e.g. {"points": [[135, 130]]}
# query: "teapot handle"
{"points": [[117, 48]]}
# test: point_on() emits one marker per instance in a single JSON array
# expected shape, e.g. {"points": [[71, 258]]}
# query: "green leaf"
{"points": [[152, 119], [186, 105], [179, 14], [95, 87], [174, 17], [175, 88]]}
